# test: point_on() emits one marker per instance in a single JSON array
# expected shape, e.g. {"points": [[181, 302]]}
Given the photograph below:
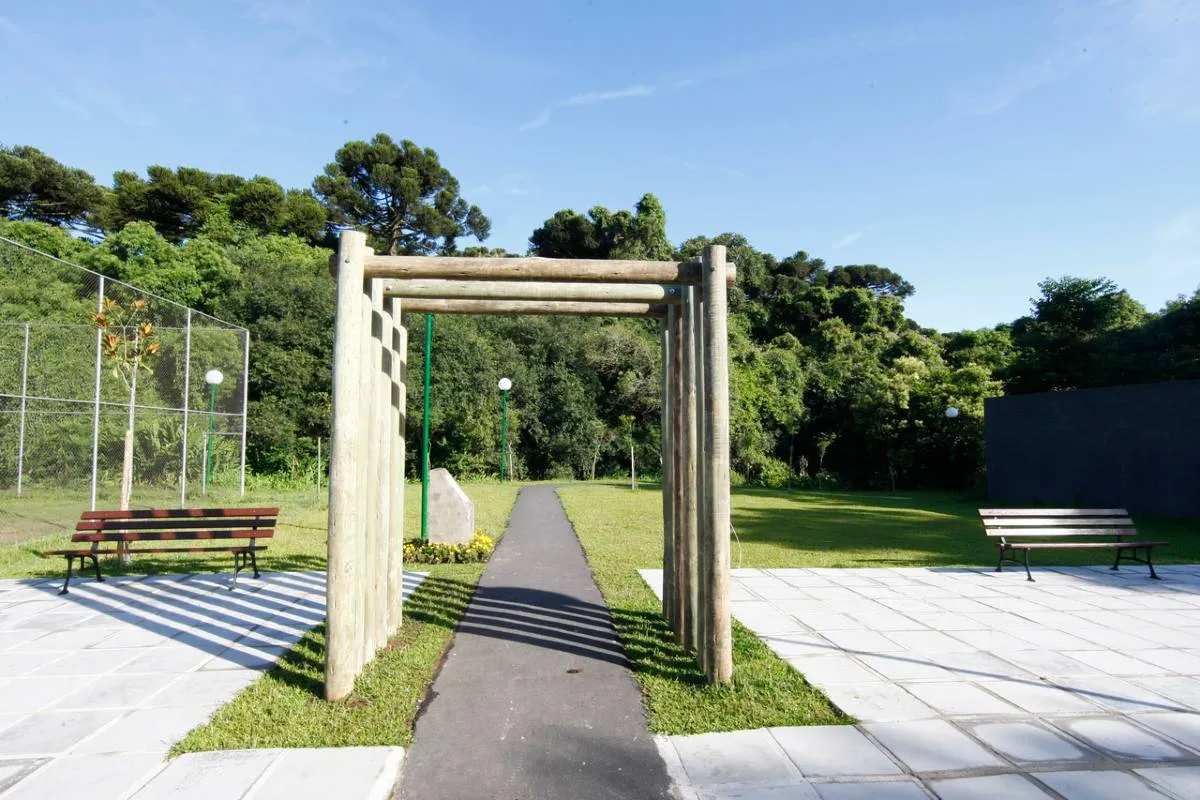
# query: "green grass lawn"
{"points": [[621, 530]]}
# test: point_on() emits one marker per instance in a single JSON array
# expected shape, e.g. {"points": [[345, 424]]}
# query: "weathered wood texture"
{"points": [[399, 401], [702, 579], [690, 521], [678, 490], [718, 625], [536, 269], [440, 289], [346, 435], [666, 456], [534, 307], [381, 344]]}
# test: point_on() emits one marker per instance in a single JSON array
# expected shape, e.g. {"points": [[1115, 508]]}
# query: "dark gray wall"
{"points": [[1134, 447]]}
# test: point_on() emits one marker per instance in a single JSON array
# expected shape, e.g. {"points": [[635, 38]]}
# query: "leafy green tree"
{"points": [[401, 195], [637, 235], [34, 186]]}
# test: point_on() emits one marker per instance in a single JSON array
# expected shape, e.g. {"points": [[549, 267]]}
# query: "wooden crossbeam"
{"points": [[535, 269], [442, 289], [547, 307]]}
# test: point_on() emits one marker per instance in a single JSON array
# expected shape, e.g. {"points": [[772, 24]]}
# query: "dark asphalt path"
{"points": [[535, 700]]}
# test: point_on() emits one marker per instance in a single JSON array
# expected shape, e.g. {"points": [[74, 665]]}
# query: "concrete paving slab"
{"points": [[1107, 785], [824, 751], [793, 791], [988, 787], [95, 777], [206, 776], [932, 746], [1182, 728], [1182, 781], [736, 757], [361, 773], [1123, 740], [874, 790], [1031, 743]]}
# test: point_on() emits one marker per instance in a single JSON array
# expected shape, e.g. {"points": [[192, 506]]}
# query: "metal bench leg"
{"points": [[1000, 563], [67, 582], [1027, 575], [1150, 564], [96, 564], [254, 563], [237, 567], [1117, 561]]}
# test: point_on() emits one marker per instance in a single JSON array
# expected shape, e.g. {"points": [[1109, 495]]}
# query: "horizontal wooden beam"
{"points": [[534, 307], [534, 290], [535, 269]]}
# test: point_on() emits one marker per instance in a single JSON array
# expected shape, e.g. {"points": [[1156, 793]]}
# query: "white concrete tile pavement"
{"points": [[969, 684], [96, 686]]}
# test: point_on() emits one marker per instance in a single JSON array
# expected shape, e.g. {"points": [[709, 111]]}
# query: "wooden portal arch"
{"points": [[366, 486]]}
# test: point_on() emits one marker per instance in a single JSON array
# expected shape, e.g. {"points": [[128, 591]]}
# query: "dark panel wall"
{"points": [[1134, 447]]}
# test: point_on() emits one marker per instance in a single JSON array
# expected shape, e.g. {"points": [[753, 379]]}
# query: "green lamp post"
{"points": [[505, 384], [213, 378]]}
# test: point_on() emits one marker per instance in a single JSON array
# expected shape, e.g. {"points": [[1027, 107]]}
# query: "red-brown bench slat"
{"points": [[113, 552], [175, 524], [180, 513], [169, 536]]}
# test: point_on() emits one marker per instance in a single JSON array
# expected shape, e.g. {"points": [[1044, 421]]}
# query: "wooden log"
{"points": [[368, 458], [690, 500], [341, 589], [441, 289], [536, 269], [718, 625], [666, 457], [703, 557], [677, 476], [399, 418], [381, 344], [544, 307]]}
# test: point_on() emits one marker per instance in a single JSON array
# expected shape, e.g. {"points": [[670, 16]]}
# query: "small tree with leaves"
{"points": [[128, 345]]}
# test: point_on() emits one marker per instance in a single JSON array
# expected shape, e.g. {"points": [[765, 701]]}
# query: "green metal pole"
{"points": [[212, 408], [425, 432], [503, 431]]}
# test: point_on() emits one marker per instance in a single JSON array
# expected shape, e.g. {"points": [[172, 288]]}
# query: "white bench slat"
{"points": [[1017, 532], [1053, 512], [1047, 522]]}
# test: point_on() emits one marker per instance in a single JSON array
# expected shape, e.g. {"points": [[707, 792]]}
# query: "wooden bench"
{"points": [[1044, 524], [171, 525]]}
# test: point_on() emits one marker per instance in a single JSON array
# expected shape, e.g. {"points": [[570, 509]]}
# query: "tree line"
{"points": [[831, 383]]}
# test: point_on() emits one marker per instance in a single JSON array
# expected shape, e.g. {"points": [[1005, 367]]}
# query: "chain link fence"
{"points": [[71, 388]]}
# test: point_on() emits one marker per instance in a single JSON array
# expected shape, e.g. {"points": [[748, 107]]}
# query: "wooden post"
{"points": [[443, 289], [399, 418], [666, 457], [678, 456], [381, 345], [341, 590], [704, 557], [718, 627], [368, 457], [690, 499]]}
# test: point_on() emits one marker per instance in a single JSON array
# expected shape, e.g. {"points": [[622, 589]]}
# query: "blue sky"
{"points": [[973, 147]]}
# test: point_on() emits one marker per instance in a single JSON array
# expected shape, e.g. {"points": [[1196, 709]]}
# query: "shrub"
{"points": [[478, 549]]}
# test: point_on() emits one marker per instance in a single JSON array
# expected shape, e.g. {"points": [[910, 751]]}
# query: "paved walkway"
{"points": [[97, 685], [969, 684], [535, 700]]}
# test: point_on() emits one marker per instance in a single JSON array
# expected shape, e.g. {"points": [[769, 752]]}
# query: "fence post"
{"points": [[24, 394], [96, 399], [345, 500], [667, 458], [187, 393], [245, 405], [399, 419], [690, 496]]}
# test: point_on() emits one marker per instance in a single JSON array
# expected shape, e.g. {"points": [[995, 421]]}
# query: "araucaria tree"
{"points": [[401, 195]]}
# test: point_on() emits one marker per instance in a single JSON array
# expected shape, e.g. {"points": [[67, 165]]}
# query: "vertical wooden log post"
{"points": [[381, 384], [718, 627], [341, 587], [703, 556], [678, 508], [399, 397], [690, 521], [665, 458], [368, 456]]}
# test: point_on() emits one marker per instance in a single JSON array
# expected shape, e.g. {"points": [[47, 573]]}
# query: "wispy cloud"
{"points": [[588, 98], [1143, 49], [847, 240], [1181, 229], [535, 123], [481, 189], [516, 192]]}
